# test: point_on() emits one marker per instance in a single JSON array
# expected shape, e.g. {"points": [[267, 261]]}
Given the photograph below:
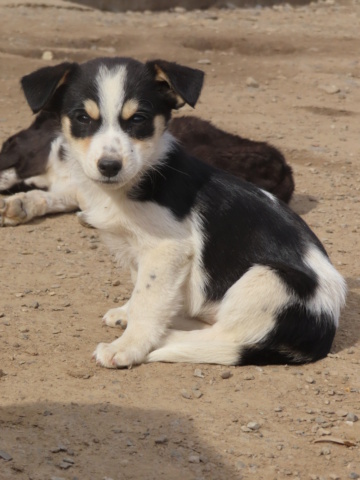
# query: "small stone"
{"points": [[245, 429], [309, 380], [194, 459], [204, 61], [249, 377], [198, 373], [251, 82], [161, 440], [47, 55], [325, 451], [35, 305], [5, 456], [351, 417], [116, 283], [185, 394], [65, 465], [341, 413], [253, 426], [354, 475], [197, 393], [330, 89], [278, 409], [225, 375]]}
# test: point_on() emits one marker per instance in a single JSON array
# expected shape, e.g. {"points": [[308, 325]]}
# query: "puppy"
{"points": [[200, 243], [33, 159]]}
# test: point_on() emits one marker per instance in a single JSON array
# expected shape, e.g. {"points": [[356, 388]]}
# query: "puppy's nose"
{"points": [[109, 167]]}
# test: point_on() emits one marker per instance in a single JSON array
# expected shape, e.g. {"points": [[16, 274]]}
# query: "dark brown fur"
{"points": [[256, 162]]}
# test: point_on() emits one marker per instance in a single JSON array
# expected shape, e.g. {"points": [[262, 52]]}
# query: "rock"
{"points": [[251, 82], [204, 61], [185, 394], [249, 377], [325, 451], [253, 426], [225, 375], [341, 413], [330, 89], [309, 380], [350, 417], [354, 475], [198, 373], [5, 456], [194, 459], [47, 55], [116, 283], [161, 440]]}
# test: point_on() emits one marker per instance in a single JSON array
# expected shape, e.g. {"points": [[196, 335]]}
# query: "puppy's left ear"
{"points": [[184, 83]]}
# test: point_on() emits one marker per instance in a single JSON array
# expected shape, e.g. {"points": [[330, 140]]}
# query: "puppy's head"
{"points": [[114, 111]]}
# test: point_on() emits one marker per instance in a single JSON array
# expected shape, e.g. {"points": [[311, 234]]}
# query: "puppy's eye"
{"points": [[83, 117], [138, 118]]}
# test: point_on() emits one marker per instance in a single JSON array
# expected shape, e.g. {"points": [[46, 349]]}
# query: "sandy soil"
{"points": [[62, 417]]}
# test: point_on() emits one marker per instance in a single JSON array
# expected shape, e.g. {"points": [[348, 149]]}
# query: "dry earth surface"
{"points": [[61, 416]]}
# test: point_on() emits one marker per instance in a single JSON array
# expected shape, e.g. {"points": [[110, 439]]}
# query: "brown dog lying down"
{"points": [[32, 164]]}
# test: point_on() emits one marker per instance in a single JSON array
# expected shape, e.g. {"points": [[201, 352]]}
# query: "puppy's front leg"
{"points": [[155, 300]]}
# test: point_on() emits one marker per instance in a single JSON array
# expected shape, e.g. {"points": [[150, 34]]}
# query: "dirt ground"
{"points": [[61, 416]]}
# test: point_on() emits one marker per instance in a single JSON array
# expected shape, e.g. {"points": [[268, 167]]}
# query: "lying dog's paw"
{"points": [[111, 355], [116, 317], [12, 211]]}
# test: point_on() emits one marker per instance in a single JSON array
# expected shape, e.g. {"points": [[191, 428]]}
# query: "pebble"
{"points": [[341, 413], [249, 377], [330, 89], [185, 394], [194, 459], [325, 451], [309, 380], [354, 475], [225, 375], [251, 82], [253, 426], [161, 440], [65, 465], [198, 373], [47, 55], [5, 456], [204, 61], [351, 417], [116, 283]]}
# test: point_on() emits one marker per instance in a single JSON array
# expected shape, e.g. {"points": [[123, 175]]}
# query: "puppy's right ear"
{"points": [[40, 86]]}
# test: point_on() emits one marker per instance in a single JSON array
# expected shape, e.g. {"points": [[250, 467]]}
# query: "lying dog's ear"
{"points": [[40, 86], [184, 83]]}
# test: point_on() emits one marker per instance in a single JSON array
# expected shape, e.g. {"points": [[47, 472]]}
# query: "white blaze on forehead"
{"points": [[111, 88]]}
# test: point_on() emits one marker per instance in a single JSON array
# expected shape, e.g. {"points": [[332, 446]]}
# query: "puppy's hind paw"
{"points": [[12, 211]]}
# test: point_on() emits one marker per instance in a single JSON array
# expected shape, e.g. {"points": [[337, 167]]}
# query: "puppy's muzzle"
{"points": [[109, 167]]}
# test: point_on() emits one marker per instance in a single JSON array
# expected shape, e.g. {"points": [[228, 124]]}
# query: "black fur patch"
{"points": [[298, 337]]}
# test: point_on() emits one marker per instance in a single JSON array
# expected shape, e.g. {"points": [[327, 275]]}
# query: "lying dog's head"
{"points": [[113, 111]]}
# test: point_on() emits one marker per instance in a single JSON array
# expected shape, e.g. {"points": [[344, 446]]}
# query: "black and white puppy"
{"points": [[33, 159], [200, 243]]}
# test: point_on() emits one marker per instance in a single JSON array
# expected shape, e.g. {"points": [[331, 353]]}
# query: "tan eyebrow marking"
{"points": [[129, 108], [92, 109]]}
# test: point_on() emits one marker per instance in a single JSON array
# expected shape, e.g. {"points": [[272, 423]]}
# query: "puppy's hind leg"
{"points": [[246, 316]]}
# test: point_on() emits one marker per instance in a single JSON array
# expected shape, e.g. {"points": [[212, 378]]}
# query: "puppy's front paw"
{"points": [[111, 355], [116, 317], [104, 355]]}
